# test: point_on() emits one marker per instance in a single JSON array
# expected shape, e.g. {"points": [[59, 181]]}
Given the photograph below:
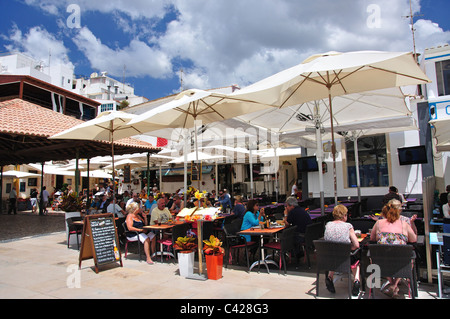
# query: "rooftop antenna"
{"points": [[411, 17]]}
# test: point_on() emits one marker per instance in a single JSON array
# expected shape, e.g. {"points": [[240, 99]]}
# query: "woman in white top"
{"points": [[339, 230]]}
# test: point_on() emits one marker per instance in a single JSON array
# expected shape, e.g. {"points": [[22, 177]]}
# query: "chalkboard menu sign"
{"points": [[100, 241]]}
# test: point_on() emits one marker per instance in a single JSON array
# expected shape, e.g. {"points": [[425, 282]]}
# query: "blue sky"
{"points": [[217, 43]]}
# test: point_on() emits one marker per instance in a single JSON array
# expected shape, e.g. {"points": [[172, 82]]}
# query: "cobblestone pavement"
{"points": [[26, 224]]}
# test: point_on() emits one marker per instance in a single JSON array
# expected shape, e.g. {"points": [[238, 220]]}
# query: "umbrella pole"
{"points": [[113, 168], [333, 145], [89, 184], [358, 182], [185, 168], [148, 174], [251, 172], [196, 154], [319, 155]]}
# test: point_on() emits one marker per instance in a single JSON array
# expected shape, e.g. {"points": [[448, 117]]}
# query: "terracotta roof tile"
{"points": [[25, 118]]}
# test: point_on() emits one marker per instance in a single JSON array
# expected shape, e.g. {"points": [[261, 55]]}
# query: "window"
{"points": [[373, 164], [443, 77]]}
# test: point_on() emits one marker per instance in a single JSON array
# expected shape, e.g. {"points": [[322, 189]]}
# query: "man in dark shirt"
{"points": [[295, 215], [393, 194]]}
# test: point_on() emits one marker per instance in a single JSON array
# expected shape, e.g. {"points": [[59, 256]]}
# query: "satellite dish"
{"points": [[94, 75]]}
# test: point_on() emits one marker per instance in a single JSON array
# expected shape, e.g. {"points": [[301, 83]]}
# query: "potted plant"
{"points": [[186, 253], [213, 251], [72, 205]]}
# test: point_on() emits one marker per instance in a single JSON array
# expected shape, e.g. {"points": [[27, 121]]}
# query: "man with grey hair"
{"points": [[295, 215]]}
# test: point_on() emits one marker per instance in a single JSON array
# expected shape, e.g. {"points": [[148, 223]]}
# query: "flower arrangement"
{"points": [[201, 195], [72, 202], [213, 246], [185, 244]]}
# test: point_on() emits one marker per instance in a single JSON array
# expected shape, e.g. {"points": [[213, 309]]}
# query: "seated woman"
{"points": [[392, 230], [339, 230], [135, 223], [253, 217]]}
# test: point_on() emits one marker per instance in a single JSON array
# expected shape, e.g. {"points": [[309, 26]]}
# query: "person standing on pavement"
{"points": [[44, 199], [33, 200], [12, 201]]}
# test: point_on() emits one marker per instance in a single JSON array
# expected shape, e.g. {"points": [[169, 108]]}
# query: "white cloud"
{"points": [[429, 34], [39, 43], [239, 42], [134, 9], [138, 57]]}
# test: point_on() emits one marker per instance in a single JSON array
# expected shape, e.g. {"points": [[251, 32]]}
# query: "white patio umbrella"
{"points": [[192, 106], [324, 76], [195, 156], [107, 126], [307, 122], [133, 163], [19, 174]]}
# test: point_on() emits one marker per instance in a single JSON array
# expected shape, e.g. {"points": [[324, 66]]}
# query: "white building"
{"points": [[19, 64], [106, 90], [101, 88], [436, 64]]}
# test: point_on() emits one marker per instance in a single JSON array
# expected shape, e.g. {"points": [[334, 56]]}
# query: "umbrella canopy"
{"points": [[441, 132], [324, 76], [19, 174], [127, 162], [378, 111], [335, 74], [196, 105], [194, 156], [108, 126]]}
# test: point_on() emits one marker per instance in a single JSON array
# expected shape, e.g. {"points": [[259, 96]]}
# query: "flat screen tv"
{"points": [[412, 155], [307, 164]]}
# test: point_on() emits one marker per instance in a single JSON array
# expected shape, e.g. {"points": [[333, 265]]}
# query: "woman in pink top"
{"points": [[391, 230]]}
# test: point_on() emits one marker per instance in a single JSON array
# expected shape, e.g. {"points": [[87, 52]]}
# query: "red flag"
{"points": [[161, 142]]}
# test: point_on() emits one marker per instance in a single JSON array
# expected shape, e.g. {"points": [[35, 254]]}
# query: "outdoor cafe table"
{"points": [[161, 229], [262, 232]]}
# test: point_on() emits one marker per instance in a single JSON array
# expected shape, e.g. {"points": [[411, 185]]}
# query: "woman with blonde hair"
{"points": [[339, 230], [392, 230], [135, 223]]}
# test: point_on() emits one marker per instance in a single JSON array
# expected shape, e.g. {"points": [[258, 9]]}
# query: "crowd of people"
{"points": [[149, 208]]}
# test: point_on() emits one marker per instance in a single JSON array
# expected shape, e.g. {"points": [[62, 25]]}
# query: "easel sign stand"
{"points": [[100, 241], [200, 275]]}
